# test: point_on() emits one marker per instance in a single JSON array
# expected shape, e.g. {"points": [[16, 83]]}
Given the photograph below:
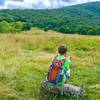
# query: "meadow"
{"points": [[25, 58]]}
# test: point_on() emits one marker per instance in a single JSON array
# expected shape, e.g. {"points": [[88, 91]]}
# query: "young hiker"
{"points": [[59, 70]]}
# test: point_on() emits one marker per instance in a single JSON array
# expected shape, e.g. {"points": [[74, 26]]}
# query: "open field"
{"points": [[25, 59]]}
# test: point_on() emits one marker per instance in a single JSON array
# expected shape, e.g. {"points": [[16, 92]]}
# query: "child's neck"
{"points": [[63, 55]]}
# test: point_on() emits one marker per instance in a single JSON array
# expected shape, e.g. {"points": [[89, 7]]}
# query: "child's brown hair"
{"points": [[62, 49]]}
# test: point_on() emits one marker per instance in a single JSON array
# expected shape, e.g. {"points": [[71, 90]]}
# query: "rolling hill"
{"points": [[82, 18]]}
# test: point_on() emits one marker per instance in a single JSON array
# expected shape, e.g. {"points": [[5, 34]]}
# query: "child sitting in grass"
{"points": [[62, 50], [59, 70]]}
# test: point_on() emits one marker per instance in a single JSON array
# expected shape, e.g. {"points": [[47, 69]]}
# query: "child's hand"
{"points": [[71, 58]]}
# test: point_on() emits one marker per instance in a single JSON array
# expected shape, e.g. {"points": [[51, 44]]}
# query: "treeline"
{"points": [[13, 27], [80, 29], [81, 19]]}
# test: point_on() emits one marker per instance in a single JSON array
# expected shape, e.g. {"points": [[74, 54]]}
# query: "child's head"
{"points": [[62, 49]]}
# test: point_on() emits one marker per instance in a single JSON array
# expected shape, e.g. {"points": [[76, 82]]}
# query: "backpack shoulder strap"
{"points": [[55, 58], [63, 60]]}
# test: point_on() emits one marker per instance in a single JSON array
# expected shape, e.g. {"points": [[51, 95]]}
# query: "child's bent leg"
{"points": [[68, 74], [62, 87]]}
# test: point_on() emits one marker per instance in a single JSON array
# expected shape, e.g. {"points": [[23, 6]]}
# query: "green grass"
{"points": [[25, 59]]}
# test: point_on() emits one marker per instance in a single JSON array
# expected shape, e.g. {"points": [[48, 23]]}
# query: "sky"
{"points": [[38, 4]]}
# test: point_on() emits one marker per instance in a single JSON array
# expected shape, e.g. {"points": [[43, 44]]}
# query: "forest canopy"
{"points": [[81, 19]]}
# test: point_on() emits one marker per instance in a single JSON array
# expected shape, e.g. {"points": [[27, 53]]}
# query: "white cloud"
{"points": [[39, 3]]}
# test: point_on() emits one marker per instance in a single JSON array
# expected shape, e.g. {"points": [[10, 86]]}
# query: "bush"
{"points": [[5, 27]]}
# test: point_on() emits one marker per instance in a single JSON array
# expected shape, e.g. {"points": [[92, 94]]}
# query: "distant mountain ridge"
{"points": [[90, 11], [93, 7], [81, 18], [39, 4]]}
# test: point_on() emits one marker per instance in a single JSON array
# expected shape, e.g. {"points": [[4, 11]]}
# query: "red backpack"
{"points": [[54, 74]]}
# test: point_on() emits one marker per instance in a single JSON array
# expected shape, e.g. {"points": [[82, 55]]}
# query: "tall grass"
{"points": [[25, 59]]}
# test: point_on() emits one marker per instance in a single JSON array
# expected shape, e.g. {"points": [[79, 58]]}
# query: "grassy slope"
{"points": [[25, 57]]}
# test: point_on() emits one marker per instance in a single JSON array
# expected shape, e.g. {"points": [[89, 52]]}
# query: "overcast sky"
{"points": [[10, 4]]}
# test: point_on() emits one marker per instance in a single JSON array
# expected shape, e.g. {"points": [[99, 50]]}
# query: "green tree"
{"points": [[18, 26], [5, 27], [94, 31]]}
